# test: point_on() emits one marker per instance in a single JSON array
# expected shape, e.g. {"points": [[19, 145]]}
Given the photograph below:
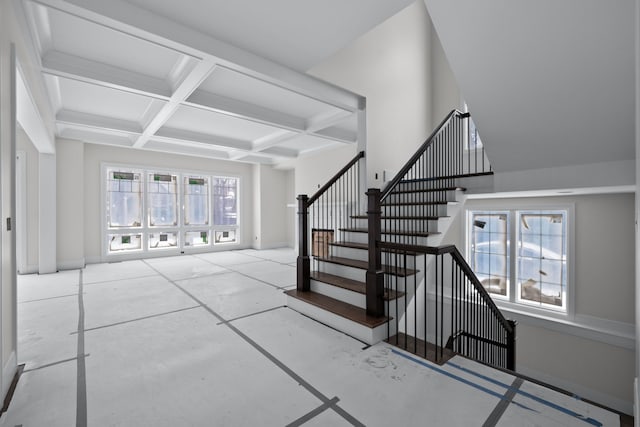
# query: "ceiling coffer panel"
{"points": [[85, 39], [215, 124]]}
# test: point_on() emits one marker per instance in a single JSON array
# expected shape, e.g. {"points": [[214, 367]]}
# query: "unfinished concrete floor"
{"points": [[206, 340]]}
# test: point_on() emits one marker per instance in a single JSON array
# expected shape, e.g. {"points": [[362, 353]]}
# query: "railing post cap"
{"points": [[302, 197], [372, 191]]}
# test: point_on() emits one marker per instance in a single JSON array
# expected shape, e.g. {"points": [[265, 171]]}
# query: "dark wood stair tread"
{"points": [[364, 246], [363, 265], [408, 217], [418, 203], [428, 190], [348, 311], [350, 284], [396, 233], [440, 178]]}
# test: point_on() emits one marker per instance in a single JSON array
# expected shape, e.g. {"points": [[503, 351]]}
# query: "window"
{"points": [[225, 211], [162, 192], [520, 256], [124, 199], [473, 141], [196, 200], [151, 210]]}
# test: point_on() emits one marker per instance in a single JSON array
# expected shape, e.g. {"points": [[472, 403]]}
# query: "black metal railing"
{"points": [[419, 193], [446, 309], [323, 216]]}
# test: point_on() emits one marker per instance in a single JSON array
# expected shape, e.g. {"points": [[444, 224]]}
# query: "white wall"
{"points": [[32, 200], [292, 208], [95, 155], [593, 355], [69, 204], [8, 340], [390, 66]]}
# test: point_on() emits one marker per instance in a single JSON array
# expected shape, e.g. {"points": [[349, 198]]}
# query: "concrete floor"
{"points": [[206, 340]]}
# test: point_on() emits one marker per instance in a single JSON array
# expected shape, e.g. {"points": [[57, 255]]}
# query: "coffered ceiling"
{"points": [[111, 82]]}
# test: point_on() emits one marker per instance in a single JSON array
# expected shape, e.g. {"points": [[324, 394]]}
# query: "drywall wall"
{"points": [[290, 198], [31, 200], [313, 171], [69, 204], [271, 219], [444, 89], [95, 155], [604, 280], [390, 66]]}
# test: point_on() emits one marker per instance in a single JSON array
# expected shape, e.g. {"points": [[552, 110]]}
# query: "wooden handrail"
{"points": [[337, 176], [396, 179]]}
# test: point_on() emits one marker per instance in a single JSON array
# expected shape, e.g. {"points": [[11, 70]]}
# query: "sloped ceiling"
{"points": [[164, 88], [549, 83]]}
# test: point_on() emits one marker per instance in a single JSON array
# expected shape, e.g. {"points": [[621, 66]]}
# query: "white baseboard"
{"points": [[71, 264], [276, 245], [582, 391], [8, 372]]}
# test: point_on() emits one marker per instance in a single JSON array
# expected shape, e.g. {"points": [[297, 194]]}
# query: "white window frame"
{"points": [[511, 303], [146, 229]]}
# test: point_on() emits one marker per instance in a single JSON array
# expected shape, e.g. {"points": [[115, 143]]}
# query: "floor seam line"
{"points": [[314, 413], [246, 275], [501, 407], [124, 322], [48, 365], [252, 314], [348, 417], [47, 299], [81, 392]]}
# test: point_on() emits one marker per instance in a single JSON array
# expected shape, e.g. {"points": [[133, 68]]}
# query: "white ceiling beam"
{"points": [[96, 137], [69, 66], [76, 118], [272, 140], [338, 134], [29, 116], [281, 152], [325, 120], [186, 149], [190, 83], [245, 110], [178, 135]]}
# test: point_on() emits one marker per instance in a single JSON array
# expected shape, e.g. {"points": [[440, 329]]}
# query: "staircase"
{"points": [[369, 270]]}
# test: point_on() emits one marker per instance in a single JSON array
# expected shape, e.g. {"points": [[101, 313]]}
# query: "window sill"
{"points": [[610, 332]]}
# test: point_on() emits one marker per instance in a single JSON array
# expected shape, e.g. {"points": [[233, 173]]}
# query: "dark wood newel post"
{"points": [[375, 275], [303, 264], [511, 346]]}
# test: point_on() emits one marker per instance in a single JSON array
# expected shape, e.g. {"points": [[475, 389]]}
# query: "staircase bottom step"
{"points": [[347, 318], [420, 348]]}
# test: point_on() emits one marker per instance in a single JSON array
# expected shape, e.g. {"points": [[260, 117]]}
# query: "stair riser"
{"points": [[362, 255], [409, 240], [360, 275], [424, 184], [340, 270], [450, 196], [415, 210], [360, 332], [345, 295], [404, 224]]}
